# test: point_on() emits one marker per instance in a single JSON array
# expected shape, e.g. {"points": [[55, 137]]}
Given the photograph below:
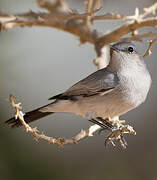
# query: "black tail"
{"points": [[28, 117]]}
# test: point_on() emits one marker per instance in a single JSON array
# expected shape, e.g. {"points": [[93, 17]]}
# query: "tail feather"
{"points": [[28, 117]]}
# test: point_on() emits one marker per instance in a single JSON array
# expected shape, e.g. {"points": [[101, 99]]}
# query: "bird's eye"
{"points": [[130, 49]]}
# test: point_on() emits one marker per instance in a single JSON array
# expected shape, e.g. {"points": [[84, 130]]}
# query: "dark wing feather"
{"points": [[96, 83]]}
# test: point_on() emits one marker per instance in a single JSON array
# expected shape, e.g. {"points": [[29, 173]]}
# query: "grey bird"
{"points": [[107, 93]]}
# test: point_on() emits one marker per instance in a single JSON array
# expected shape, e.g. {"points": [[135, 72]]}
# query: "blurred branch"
{"points": [[109, 16], [49, 20], [150, 10], [116, 35], [62, 17], [55, 6], [59, 141], [137, 22]]}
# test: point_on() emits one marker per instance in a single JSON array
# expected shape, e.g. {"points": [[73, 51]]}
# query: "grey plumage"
{"points": [[96, 83], [120, 87]]}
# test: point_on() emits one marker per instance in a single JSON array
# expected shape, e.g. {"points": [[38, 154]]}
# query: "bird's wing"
{"points": [[99, 82]]}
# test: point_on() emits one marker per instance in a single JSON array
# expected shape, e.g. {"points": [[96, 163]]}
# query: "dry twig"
{"points": [[148, 51], [59, 141], [150, 10]]}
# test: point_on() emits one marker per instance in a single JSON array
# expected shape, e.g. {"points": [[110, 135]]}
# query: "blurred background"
{"points": [[37, 63]]}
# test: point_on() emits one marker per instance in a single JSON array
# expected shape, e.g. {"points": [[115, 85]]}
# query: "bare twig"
{"points": [[147, 11], [150, 10], [148, 51], [109, 16], [59, 141], [139, 37]]}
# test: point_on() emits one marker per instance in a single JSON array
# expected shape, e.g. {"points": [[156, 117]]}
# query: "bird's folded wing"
{"points": [[99, 82]]}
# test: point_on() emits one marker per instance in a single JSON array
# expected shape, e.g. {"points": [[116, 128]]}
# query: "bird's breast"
{"points": [[135, 86]]}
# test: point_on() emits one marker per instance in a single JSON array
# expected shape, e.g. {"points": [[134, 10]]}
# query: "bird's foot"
{"points": [[114, 134], [116, 130]]}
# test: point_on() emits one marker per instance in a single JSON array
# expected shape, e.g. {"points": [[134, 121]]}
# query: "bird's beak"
{"points": [[112, 48]]}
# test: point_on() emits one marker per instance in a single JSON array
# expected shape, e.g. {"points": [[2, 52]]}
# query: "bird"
{"points": [[107, 93]]}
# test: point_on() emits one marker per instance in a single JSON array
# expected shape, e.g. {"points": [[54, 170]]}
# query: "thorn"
{"points": [[137, 12]]}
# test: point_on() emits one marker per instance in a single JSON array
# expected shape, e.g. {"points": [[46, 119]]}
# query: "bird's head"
{"points": [[123, 54]]}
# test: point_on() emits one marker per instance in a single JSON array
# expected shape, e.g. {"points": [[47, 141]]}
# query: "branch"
{"points": [[59, 141], [76, 26], [49, 20], [116, 35], [131, 27], [68, 23], [64, 19]]}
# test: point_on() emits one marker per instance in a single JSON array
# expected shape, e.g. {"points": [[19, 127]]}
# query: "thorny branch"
{"points": [[60, 16], [59, 141]]}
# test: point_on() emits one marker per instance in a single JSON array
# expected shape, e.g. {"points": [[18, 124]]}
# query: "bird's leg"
{"points": [[95, 121], [101, 122], [115, 132], [115, 127], [89, 117], [105, 122]]}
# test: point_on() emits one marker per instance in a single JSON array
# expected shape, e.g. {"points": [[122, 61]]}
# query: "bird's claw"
{"points": [[116, 134], [116, 131]]}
